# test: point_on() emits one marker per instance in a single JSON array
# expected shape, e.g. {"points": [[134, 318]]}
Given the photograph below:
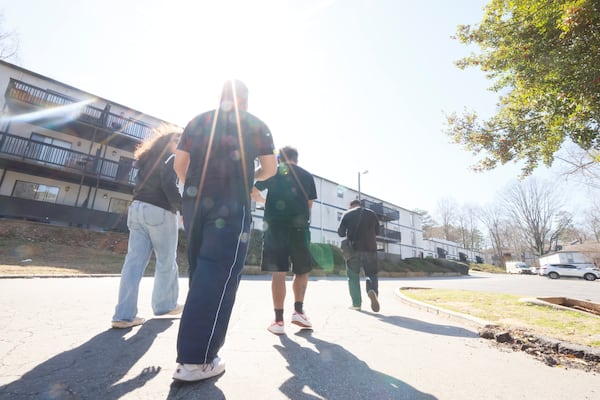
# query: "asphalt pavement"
{"points": [[56, 343]]}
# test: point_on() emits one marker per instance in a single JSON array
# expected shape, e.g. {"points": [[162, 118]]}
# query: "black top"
{"points": [[289, 192], [361, 226], [229, 168], [156, 183]]}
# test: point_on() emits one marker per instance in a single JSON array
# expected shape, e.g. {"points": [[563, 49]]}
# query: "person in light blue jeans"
{"points": [[153, 226]]}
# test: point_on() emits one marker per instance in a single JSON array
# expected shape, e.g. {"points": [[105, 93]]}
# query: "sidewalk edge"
{"points": [[469, 320]]}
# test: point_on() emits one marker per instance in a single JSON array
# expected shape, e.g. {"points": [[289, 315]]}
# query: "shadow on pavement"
{"points": [[331, 372], [92, 370], [205, 390], [416, 325]]}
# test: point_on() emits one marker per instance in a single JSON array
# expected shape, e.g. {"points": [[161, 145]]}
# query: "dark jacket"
{"points": [[156, 183], [361, 226]]}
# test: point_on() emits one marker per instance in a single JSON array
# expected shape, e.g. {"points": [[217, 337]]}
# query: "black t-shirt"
{"points": [[362, 227], [227, 170], [289, 192]]}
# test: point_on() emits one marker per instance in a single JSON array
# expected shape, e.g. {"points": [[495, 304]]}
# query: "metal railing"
{"points": [[60, 157], [385, 213], [95, 116], [390, 234]]}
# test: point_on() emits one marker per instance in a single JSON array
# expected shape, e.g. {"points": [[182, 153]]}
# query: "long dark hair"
{"points": [[157, 146]]}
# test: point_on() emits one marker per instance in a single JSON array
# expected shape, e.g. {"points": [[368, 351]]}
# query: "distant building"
{"points": [[576, 258], [401, 231], [441, 248]]}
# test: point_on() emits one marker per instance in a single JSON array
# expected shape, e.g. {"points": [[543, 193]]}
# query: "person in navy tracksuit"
{"points": [[216, 160]]}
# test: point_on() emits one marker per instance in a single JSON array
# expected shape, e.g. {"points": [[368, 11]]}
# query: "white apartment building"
{"points": [[401, 231], [440, 248], [66, 157]]}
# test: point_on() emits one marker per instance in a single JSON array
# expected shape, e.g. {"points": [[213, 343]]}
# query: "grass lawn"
{"points": [[506, 310]]}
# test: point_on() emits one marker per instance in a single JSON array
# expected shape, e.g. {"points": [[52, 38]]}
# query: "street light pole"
{"points": [[359, 174]]}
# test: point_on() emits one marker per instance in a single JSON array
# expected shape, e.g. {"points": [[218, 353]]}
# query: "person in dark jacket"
{"points": [[361, 226], [153, 225]]}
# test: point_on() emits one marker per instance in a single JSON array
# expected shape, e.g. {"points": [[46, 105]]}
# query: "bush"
{"points": [[425, 265], [327, 257], [455, 266]]}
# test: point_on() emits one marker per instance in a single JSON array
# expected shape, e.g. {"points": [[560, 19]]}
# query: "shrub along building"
{"points": [[66, 157]]}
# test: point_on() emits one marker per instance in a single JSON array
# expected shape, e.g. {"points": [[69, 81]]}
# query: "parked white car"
{"points": [[555, 271], [517, 267]]}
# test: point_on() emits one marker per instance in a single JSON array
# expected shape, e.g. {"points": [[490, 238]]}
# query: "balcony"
{"points": [[384, 213], [389, 235], [25, 95], [31, 151]]}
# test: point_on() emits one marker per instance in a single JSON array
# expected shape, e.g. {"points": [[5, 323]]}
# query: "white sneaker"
{"points": [[199, 372], [354, 308], [301, 320], [128, 324], [276, 328]]}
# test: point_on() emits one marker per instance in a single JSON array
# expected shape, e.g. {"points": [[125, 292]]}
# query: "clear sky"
{"points": [[354, 84]]}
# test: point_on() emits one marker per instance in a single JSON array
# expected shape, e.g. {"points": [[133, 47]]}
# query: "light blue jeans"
{"points": [[150, 228]]}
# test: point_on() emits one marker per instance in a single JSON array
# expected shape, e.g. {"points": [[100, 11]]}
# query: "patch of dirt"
{"points": [[75, 237], [551, 352], [31, 248]]}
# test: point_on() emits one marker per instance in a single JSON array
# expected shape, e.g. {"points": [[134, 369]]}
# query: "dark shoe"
{"points": [[374, 300]]}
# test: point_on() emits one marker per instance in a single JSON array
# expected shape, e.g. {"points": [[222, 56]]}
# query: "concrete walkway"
{"points": [[56, 343]]}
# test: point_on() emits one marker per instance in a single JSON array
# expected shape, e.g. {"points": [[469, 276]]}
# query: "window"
{"points": [[413, 239], [118, 206], [570, 258], [340, 192], [35, 191], [339, 215]]}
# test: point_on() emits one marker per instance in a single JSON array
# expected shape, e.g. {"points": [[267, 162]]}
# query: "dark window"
{"points": [[35, 191]]}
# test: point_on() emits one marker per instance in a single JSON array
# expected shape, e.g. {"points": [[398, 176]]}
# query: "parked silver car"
{"points": [[555, 271]]}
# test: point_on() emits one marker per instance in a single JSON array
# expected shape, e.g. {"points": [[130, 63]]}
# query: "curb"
{"points": [[560, 347], [469, 320]]}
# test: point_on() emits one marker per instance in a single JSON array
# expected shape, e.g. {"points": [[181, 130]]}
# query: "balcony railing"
{"points": [[390, 235], [384, 213], [99, 117], [60, 157]]}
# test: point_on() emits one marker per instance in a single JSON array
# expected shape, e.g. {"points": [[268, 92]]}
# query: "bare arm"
{"points": [[257, 196], [181, 164], [268, 167]]}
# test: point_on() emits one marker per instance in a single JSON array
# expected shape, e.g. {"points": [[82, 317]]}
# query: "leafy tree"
{"points": [[543, 57]]}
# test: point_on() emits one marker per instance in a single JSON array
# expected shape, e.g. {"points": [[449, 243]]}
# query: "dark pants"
{"points": [[366, 260], [282, 244], [218, 243]]}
